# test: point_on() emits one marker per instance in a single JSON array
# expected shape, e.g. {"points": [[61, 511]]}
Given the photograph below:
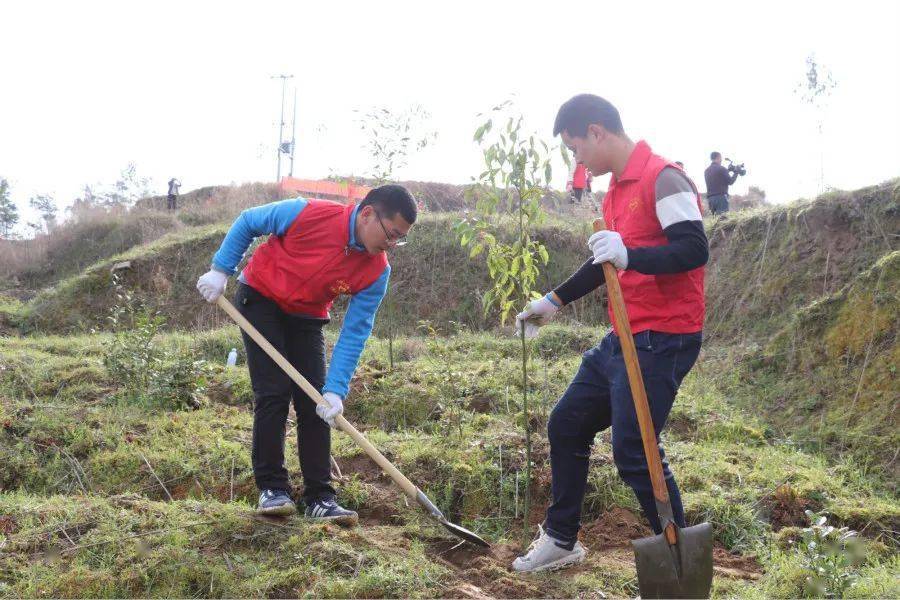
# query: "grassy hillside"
{"points": [[829, 378], [125, 439], [764, 266], [107, 493], [432, 279], [767, 264]]}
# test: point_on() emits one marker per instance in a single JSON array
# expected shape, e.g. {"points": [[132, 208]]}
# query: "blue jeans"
{"points": [[718, 203], [599, 397]]}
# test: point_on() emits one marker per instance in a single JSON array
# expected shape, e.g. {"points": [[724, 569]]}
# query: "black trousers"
{"points": [[171, 201], [600, 397], [302, 342]]}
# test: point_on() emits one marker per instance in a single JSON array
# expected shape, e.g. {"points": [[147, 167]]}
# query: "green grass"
{"points": [[784, 413], [126, 546], [73, 454]]}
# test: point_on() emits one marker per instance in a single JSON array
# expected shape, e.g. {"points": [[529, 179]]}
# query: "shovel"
{"points": [[405, 484], [677, 563]]}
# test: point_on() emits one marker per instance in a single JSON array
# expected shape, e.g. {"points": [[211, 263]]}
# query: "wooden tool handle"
{"points": [[636, 382], [399, 478]]}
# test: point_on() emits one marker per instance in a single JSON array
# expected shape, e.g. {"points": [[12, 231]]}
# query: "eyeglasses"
{"points": [[394, 240]]}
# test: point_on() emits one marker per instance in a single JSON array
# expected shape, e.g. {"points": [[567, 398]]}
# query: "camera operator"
{"points": [[718, 178]]}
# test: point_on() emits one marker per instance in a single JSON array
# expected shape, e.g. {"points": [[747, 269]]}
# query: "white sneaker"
{"points": [[546, 554]]}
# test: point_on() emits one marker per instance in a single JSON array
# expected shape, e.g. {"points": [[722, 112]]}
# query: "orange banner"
{"points": [[321, 187]]}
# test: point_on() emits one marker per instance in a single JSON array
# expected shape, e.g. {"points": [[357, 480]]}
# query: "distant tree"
{"points": [[86, 205], [36, 227], [89, 196], [9, 212], [46, 207], [392, 136], [814, 91], [128, 189]]}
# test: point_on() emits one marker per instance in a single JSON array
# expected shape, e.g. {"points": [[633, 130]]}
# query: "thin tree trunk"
{"points": [[527, 420]]}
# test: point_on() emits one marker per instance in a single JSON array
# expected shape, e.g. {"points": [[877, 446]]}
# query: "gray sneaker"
{"points": [[548, 554], [275, 503]]}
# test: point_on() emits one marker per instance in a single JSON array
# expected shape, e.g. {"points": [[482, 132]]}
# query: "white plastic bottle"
{"points": [[232, 358]]}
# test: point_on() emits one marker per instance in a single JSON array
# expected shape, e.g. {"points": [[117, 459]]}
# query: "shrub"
{"points": [[831, 558], [149, 373]]}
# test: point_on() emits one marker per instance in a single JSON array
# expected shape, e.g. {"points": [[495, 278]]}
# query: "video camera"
{"points": [[738, 168]]}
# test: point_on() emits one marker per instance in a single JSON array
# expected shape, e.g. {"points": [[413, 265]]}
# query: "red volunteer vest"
{"points": [[304, 270], [672, 303], [579, 177]]}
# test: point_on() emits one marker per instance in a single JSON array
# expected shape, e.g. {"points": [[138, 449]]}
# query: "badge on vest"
{"points": [[340, 287], [634, 203]]}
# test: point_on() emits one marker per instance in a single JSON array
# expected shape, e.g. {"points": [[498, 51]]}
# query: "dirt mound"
{"points": [[735, 566], [362, 466], [615, 528], [384, 501], [485, 572], [787, 508]]}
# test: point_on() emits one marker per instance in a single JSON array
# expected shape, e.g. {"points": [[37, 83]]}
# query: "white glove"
{"points": [[608, 246], [211, 285], [536, 314], [335, 407]]}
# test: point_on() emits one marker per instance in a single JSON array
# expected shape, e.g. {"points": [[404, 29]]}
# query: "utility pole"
{"points": [[293, 132], [283, 79]]}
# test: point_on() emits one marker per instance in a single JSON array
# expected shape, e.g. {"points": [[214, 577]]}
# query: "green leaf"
{"points": [[476, 250], [565, 155], [486, 299], [545, 256]]}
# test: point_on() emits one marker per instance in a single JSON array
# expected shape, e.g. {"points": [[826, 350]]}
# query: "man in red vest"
{"points": [[579, 182], [317, 250], [656, 241]]}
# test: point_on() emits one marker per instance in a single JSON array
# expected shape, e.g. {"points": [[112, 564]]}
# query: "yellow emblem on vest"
{"points": [[340, 287], [634, 203]]}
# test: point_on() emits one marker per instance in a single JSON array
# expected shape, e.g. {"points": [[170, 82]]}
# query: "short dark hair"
{"points": [[715, 155], [391, 199], [582, 110]]}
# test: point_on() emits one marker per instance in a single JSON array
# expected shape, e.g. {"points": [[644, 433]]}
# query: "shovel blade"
{"points": [[457, 530], [683, 570], [463, 533]]}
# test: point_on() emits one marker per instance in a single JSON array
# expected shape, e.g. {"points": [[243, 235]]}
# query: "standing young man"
{"points": [[656, 241], [317, 250]]}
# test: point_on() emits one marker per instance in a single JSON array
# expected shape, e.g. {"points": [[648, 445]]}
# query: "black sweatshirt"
{"points": [[718, 178]]}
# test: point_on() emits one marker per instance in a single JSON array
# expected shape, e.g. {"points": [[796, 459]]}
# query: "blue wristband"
{"points": [[550, 299]]}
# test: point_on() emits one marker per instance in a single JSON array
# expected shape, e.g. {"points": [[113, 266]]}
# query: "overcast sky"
{"points": [[183, 88]]}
